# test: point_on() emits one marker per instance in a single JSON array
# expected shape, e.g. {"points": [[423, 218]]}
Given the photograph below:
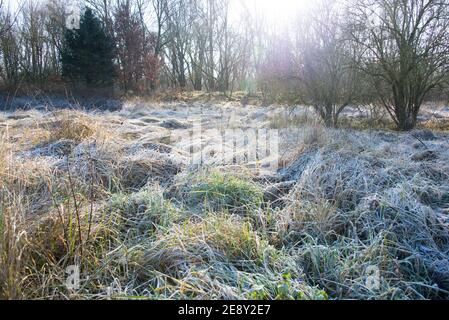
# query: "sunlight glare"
{"points": [[278, 12]]}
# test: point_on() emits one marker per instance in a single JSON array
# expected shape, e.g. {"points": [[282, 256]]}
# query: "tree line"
{"points": [[337, 53]]}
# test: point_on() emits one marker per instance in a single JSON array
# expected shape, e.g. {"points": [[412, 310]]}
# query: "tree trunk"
{"points": [[406, 120]]}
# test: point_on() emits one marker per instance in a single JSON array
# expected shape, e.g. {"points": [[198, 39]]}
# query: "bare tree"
{"points": [[33, 33], [55, 27], [404, 45], [327, 59], [161, 10], [129, 37], [7, 17], [328, 80], [9, 46], [31, 42], [198, 45]]}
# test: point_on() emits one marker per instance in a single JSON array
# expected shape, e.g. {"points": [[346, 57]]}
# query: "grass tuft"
{"points": [[225, 191], [143, 212]]}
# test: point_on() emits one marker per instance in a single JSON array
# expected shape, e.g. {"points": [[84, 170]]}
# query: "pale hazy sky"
{"points": [[277, 12], [275, 7]]}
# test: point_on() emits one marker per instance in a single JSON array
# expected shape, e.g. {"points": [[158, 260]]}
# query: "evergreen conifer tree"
{"points": [[88, 53]]}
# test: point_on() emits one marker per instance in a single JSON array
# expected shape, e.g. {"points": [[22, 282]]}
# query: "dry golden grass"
{"points": [[436, 125], [72, 126], [4, 151]]}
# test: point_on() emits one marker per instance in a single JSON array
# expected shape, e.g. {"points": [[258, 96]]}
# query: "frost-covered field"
{"points": [[122, 196]]}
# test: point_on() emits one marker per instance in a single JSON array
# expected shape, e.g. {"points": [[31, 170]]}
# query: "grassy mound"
{"points": [[351, 213], [72, 125], [225, 191], [141, 213], [222, 257]]}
